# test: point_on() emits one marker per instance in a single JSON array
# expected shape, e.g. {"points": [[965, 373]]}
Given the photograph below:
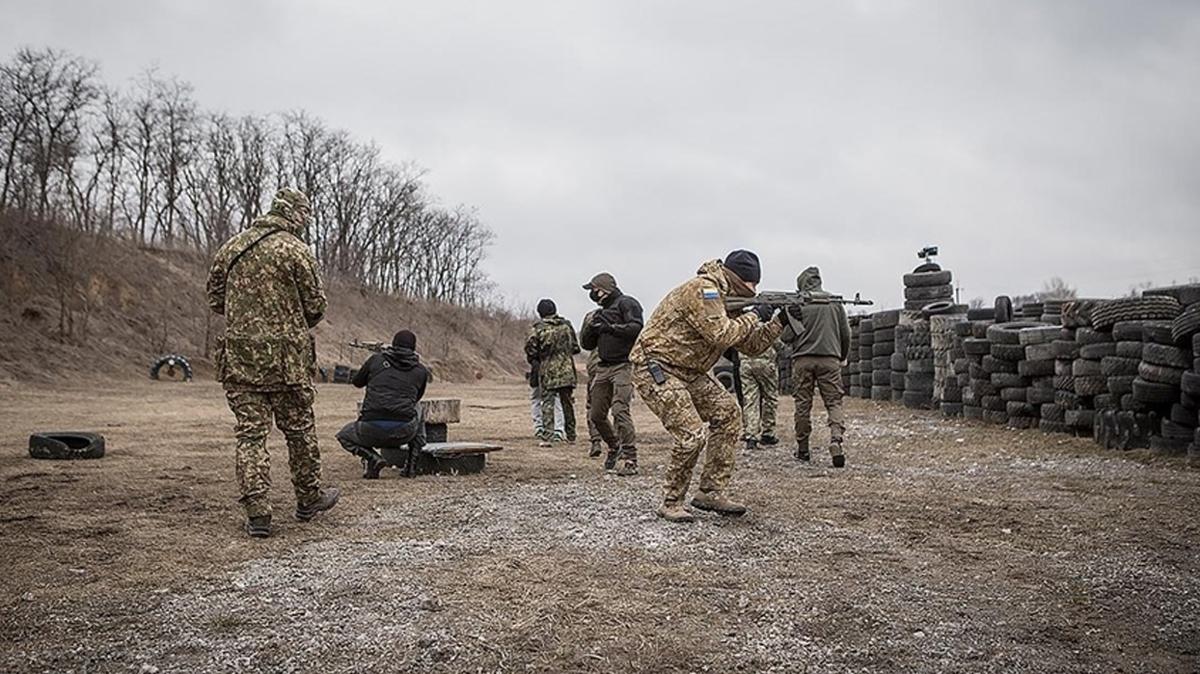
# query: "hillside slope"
{"points": [[79, 306]]}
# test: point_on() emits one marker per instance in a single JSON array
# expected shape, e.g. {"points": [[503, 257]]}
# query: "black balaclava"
{"points": [[404, 339]]}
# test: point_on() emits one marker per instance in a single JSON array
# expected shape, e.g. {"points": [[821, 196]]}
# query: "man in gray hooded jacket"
{"points": [[819, 338]]}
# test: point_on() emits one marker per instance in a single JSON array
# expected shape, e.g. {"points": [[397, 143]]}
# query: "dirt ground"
{"points": [[944, 546]]}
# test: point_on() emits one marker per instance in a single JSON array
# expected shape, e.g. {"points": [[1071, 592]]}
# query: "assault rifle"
{"points": [[784, 300], [369, 346]]}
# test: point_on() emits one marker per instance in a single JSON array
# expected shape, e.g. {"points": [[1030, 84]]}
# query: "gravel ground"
{"points": [[944, 546]]}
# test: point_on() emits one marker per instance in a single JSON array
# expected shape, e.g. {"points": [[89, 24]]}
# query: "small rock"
{"points": [[919, 634], [148, 668]]}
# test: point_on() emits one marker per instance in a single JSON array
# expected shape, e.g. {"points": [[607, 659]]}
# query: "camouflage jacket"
{"points": [[270, 299], [690, 329], [551, 345], [770, 355]]}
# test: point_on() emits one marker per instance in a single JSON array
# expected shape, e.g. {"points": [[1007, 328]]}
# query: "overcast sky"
{"points": [[1027, 139]]}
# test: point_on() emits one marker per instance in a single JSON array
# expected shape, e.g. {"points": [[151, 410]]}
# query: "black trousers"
{"points": [[362, 437]]}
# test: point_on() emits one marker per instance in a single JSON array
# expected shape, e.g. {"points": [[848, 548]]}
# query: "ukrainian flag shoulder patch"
{"points": [[710, 293]]}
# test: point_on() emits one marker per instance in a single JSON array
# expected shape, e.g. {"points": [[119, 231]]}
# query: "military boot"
{"points": [[610, 460], [328, 498], [596, 449], [259, 527], [751, 443], [716, 502], [835, 450], [673, 511], [371, 468], [768, 440], [802, 450]]}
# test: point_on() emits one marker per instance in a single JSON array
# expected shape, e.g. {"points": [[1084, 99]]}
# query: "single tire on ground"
{"points": [[66, 445]]}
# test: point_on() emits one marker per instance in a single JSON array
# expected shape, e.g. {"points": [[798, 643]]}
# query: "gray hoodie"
{"points": [[817, 329]]}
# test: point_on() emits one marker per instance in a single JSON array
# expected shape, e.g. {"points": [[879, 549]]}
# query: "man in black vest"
{"points": [[390, 416]]}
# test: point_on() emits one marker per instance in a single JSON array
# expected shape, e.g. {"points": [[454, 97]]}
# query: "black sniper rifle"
{"points": [[778, 299]]}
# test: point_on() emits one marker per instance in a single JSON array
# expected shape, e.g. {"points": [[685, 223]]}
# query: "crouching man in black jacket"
{"points": [[390, 416]]}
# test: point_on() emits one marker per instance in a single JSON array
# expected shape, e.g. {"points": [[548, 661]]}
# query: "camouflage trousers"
{"points": [[593, 432], [700, 415], [566, 397], [825, 373], [613, 391], [760, 395], [293, 415]]}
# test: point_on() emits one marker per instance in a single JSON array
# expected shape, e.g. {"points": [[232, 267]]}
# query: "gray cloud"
{"points": [[1028, 139]]}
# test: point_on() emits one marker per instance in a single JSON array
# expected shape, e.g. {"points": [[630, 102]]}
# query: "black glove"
{"points": [[782, 317], [599, 324], [764, 312]]}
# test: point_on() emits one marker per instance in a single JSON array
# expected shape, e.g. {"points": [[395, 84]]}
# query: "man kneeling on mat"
{"points": [[390, 416]]}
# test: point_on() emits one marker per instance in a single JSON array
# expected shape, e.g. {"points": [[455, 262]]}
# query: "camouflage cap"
{"points": [[602, 281], [292, 205]]}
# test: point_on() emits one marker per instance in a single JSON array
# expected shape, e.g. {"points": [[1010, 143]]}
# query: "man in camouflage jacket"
{"points": [[265, 282], [551, 347], [672, 357]]}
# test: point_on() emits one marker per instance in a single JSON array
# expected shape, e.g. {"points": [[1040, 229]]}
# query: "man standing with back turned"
{"points": [[551, 346], [611, 331], [265, 282], [671, 359], [819, 337]]}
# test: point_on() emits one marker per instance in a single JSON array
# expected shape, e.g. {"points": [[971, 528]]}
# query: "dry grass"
{"points": [[943, 547]]}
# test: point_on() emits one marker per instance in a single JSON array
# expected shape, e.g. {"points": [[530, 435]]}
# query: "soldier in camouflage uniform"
{"points": [[265, 282], [760, 396], [552, 344], [672, 357]]}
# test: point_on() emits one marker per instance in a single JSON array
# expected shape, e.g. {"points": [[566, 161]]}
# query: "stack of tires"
{"points": [[1038, 366], [899, 360], [1120, 367], [1032, 312], [976, 347], [947, 347], [1185, 334], [854, 388], [1190, 385], [1003, 365], [883, 346], [1052, 311], [927, 284], [866, 355], [918, 376], [1132, 420]]}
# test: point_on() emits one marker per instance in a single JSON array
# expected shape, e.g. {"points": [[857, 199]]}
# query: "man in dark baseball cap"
{"points": [[609, 333]]}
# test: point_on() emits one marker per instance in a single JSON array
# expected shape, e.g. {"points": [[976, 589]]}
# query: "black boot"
{"points": [[371, 468], [751, 443], [596, 449], [259, 527], [835, 450], [768, 440], [802, 450], [610, 460]]}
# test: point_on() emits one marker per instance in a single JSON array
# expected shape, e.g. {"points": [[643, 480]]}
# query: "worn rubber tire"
{"points": [[1009, 352], [1005, 380], [1035, 368], [1040, 395], [66, 445], [171, 360], [1051, 412], [1065, 349], [1040, 352], [1115, 366], [1120, 385], [919, 383], [1186, 294], [1157, 332], [1128, 331], [928, 279], [1189, 383], [1041, 334], [1169, 356], [1097, 351], [1154, 393], [977, 347], [1130, 349], [992, 365], [1184, 416], [1186, 324], [1160, 374], [884, 335], [1090, 385], [931, 309], [1010, 332], [929, 293], [1086, 368], [1079, 418], [881, 378], [886, 319], [918, 401], [1135, 308], [1015, 394], [1092, 336], [1022, 423]]}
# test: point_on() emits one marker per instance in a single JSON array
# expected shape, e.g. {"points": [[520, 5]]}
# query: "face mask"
{"points": [[595, 295]]}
